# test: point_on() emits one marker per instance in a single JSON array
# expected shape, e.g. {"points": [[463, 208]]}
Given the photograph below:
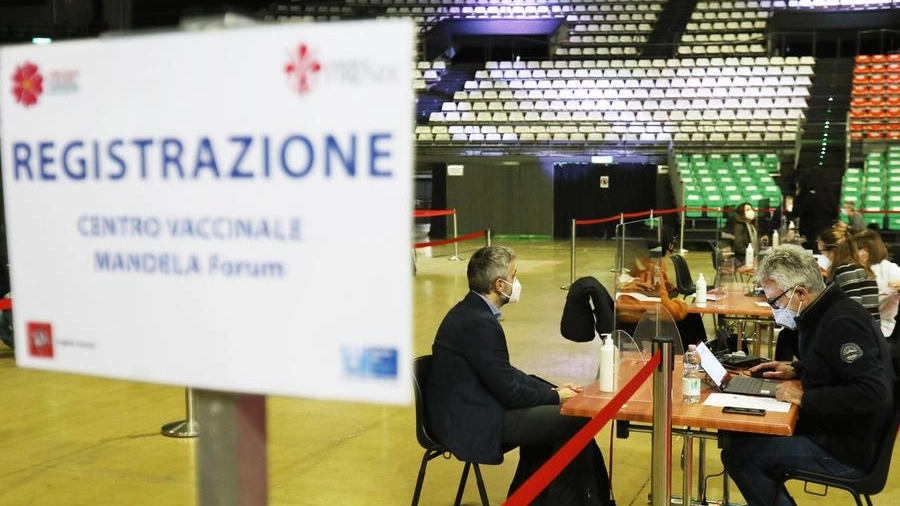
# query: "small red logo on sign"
{"points": [[28, 84], [301, 69], [40, 339]]}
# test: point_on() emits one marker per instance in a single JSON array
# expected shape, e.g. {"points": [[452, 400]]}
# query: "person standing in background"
{"points": [[854, 219], [874, 255], [816, 206], [785, 221]]}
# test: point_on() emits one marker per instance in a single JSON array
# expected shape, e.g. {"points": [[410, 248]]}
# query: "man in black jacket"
{"points": [[480, 405], [845, 394]]}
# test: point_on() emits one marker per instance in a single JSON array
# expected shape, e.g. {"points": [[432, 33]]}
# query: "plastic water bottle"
{"points": [[775, 239], [700, 294], [607, 365], [749, 255], [690, 379]]}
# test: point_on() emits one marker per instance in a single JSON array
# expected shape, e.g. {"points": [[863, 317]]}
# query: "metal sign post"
{"points": [[232, 467], [188, 426]]}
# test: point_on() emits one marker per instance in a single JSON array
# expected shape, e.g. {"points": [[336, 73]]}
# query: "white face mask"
{"points": [[785, 317], [823, 261], [516, 290], [750, 215]]}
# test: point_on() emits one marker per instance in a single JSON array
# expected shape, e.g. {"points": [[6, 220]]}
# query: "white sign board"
{"points": [[226, 210]]}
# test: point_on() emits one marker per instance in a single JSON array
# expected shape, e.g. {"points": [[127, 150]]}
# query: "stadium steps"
{"points": [[663, 40], [824, 135], [453, 79]]}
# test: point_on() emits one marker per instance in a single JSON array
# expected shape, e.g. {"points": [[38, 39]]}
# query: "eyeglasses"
{"points": [[773, 300]]}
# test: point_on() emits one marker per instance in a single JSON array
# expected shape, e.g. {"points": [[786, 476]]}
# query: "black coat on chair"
{"points": [[588, 307]]}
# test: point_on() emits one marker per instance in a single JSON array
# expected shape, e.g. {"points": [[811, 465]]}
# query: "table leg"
{"points": [[770, 338], [688, 471], [757, 341], [701, 470], [726, 499]]}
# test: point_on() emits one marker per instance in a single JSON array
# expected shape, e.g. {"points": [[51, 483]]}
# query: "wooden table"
{"points": [[738, 305], [639, 408]]}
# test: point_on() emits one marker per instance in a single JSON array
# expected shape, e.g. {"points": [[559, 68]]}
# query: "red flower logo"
{"points": [[40, 339], [28, 84], [301, 69]]}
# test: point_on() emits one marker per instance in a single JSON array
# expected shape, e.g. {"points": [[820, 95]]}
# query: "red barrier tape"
{"points": [[658, 212], [596, 221], [473, 235], [430, 213], [5, 304], [543, 476], [632, 215]]}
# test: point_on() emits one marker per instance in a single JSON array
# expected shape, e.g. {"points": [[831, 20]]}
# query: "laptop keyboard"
{"points": [[748, 385]]}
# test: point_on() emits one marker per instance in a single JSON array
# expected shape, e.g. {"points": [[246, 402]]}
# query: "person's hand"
{"points": [[790, 392], [573, 386], [565, 393], [775, 370], [894, 286]]}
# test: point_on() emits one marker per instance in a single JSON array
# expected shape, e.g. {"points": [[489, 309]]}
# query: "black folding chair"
{"points": [[683, 281], [433, 447]]}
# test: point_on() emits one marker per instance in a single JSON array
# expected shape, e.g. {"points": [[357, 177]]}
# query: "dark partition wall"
{"points": [[509, 197]]}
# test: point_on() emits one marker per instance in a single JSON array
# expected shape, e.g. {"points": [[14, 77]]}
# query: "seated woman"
{"points": [[650, 273], [873, 254], [847, 269], [650, 277], [745, 230]]}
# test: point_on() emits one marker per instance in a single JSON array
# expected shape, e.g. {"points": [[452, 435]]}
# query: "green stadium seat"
{"points": [[693, 199]]}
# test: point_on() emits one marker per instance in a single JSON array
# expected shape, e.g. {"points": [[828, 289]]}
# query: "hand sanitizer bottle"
{"points": [[700, 294], [607, 365]]}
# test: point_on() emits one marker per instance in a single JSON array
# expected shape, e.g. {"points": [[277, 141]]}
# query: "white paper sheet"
{"points": [[747, 401], [639, 296]]}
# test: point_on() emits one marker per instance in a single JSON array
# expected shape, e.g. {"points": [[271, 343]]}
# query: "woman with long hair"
{"points": [[847, 270]]}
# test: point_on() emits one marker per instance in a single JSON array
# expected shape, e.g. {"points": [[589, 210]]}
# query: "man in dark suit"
{"points": [[480, 405]]}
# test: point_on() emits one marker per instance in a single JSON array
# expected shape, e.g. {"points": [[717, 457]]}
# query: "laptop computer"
{"points": [[733, 384]]}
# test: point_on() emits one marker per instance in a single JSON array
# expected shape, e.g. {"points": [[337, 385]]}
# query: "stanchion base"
{"points": [[182, 428], [455, 258], [564, 287]]}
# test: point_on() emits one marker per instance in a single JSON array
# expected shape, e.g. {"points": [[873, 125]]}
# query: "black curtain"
{"points": [[578, 194]]}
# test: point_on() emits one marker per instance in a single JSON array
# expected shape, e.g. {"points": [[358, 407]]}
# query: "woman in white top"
{"points": [[873, 253]]}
